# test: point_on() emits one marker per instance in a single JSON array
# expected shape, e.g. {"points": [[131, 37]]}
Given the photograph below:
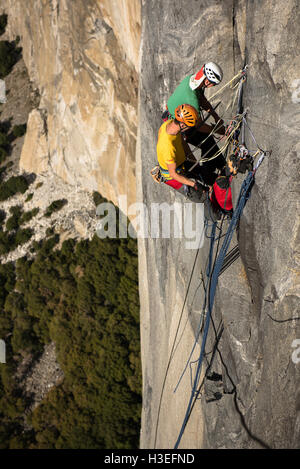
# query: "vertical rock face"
{"points": [[252, 398], [82, 56]]}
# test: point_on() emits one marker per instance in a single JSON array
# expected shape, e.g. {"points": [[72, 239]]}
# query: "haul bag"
{"points": [[221, 194]]}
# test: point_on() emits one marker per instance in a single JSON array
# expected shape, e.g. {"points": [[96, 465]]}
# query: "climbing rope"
{"points": [[174, 347], [240, 74], [208, 273], [227, 142], [242, 199]]}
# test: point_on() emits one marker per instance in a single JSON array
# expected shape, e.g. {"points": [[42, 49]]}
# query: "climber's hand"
{"points": [[198, 187]]}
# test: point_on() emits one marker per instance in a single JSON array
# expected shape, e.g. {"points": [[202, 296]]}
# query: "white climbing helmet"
{"points": [[211, 71]]}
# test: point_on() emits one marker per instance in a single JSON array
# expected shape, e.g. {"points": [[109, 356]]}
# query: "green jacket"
{"points": [[183, 94]]}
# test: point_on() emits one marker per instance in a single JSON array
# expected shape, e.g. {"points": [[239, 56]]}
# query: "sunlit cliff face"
{"points": [[82, 57]]}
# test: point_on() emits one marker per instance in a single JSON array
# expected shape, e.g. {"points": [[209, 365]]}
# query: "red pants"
{"points": [[173, 183]]}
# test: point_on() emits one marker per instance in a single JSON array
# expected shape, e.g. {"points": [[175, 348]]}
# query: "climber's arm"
{"points": [[179, 177]]}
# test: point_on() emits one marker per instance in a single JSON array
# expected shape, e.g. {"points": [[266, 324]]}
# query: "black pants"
{"points": [[208, 149]]}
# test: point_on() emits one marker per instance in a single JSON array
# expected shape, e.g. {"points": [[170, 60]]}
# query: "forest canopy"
{"points": [[84, 298]]}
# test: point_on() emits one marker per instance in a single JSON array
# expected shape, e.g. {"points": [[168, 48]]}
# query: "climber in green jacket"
{"points": [[191, 91]]}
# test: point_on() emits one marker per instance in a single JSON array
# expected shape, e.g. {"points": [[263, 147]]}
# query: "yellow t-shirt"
{"points": [[169, 149]]}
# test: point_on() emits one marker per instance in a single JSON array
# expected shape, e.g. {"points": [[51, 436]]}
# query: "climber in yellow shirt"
{"points": [[172, 153]]}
